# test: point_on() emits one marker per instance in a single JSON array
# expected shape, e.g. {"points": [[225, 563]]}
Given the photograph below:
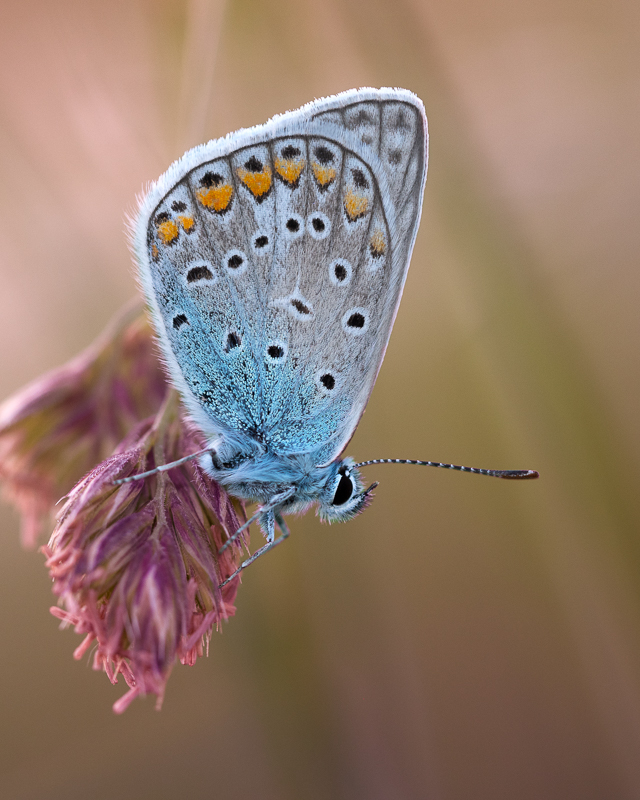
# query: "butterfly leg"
{"points": [[269, 546], [268, 524], [164, 467], [276, 500]]}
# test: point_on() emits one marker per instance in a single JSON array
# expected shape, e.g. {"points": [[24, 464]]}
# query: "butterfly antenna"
{"points": [[163, 467], [509, 474]]}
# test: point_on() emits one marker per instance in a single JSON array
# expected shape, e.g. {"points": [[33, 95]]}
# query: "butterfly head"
{"points": [[344, 494]]}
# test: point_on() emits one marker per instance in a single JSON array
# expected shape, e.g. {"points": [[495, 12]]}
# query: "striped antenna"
{"points": [[509, 474]]}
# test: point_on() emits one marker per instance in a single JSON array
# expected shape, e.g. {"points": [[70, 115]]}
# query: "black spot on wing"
{"points": [[290, 151], [199, 273], [233, 341], [179, 320], [359, 179], [210, 179], [324, 155], [300, 307], [275, 351], [328, 381], [253, 165]]}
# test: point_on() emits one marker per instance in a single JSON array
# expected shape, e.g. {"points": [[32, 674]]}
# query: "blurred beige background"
{"points": [[464, 638]]}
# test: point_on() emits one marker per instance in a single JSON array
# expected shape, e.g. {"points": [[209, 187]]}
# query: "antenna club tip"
{"points": [[520, 474]]}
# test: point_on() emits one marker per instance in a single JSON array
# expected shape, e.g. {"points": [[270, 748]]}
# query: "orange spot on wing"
{"points": [[289, 169], [168, 231], [356, 205], [377, 245], [154, 252], [187, 223], [258, 183], [216, 198], [324, 175]]}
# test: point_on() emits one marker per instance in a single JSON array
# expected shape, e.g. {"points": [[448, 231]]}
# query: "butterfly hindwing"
{"points": [[274, 262], [378, 184]]}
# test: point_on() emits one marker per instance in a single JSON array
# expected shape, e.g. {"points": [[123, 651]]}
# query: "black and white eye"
{"points": [[318, 225], [276, 352], [356, 321], [340, 272], [344, 489], [294, 226], [200, 271], [235, 262]]}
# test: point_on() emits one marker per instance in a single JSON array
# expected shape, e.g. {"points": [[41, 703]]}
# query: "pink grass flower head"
{"points": [[136, 566], [60, 426]]}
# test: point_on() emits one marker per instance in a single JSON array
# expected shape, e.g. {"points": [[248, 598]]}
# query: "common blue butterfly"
{"points": [[273, 261]]}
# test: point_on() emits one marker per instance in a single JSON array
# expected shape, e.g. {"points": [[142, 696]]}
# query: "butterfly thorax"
{"points": [[336, 487]]}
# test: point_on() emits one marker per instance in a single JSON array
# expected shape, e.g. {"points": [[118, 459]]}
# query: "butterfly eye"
{"points": [[344, 490], [343, 497]]}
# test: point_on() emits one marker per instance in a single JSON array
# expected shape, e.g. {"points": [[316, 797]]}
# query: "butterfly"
{"points": [[273, 262]]}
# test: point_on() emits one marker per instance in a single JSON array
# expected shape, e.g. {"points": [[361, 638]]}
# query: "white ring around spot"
{"points": [[352, 330], [266, 248], [283, 357], [200, 262], [293, 234], [318, 215], [235, 271], [340, 262], [321, 386]]}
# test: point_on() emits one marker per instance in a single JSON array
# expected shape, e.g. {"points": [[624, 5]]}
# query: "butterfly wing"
{"points": [[274, 261], [354, 277]]}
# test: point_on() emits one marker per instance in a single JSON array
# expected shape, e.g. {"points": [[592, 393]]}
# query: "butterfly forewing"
{"points": [[195, 302], [275, 267]]}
